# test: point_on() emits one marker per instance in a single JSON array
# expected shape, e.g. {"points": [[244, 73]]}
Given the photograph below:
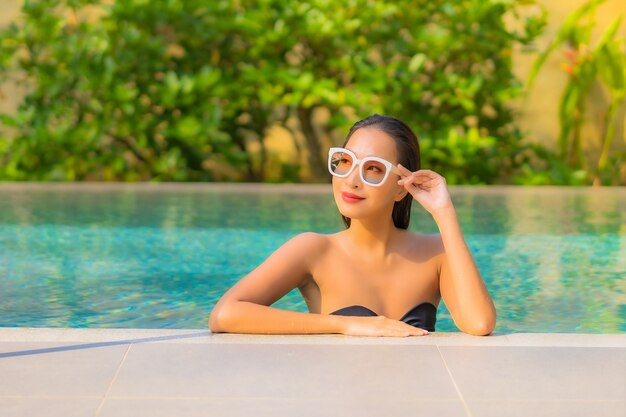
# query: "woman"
{"points": [[375, 278]]}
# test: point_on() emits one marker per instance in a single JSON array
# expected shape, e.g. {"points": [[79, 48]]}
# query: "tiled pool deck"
{"points": [[106, 372]]}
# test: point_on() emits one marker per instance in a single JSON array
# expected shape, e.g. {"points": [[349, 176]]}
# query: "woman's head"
{"points": [[388, 138]]}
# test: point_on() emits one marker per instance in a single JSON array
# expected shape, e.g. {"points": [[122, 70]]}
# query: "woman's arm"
{"points": [[245, 307], [461, 285], [247, 317]]}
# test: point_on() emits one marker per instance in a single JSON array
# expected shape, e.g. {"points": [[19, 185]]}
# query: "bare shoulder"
{"points": [[310, 241], [311, 237], [435, 242], [432, 240], [310, 248], [431, 243]]}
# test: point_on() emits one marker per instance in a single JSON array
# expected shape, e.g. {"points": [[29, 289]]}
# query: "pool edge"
{"points": [[131, 336]]}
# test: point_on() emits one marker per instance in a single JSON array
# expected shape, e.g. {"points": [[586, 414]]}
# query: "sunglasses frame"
{"points": [[390, 167]]}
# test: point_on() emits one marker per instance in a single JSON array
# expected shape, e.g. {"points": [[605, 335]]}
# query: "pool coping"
{"points": [[131, 336], [102, 372], [298, 188]]}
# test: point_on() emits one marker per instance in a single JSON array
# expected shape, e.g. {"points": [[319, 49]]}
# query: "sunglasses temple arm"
{"points": [[395, 170]]}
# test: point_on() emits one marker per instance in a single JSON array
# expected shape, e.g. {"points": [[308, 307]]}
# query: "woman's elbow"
{"points": [[483, 325], [216, 320], [482, 328]]}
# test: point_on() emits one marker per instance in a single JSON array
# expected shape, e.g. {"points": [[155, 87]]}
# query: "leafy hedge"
{"points": [[186, 90]]}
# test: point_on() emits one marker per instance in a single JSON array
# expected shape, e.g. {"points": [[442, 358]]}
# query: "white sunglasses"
{"points": [[374, 170]]}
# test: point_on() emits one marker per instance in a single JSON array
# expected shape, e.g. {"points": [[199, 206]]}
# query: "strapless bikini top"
{"points": [[423, 315]]}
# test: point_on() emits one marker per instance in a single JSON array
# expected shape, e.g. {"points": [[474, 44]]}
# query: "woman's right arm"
{"points": [[245, 308]]}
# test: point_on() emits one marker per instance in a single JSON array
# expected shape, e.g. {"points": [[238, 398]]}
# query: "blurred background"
{"points": [[498, 91]]}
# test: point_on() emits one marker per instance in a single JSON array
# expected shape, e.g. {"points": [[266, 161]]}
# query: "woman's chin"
{"points": [[350, 212]]}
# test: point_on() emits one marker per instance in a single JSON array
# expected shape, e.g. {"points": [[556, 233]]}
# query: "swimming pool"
{"points": [[161, 255]]}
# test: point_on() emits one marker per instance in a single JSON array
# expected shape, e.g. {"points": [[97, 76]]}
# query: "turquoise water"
{"points": [[554, 259]]}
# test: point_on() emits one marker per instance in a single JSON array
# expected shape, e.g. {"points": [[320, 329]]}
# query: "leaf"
{"points": [[7, 120], [569, 102], [566, 31], [612, 68], [416, 62], [188, 127]]}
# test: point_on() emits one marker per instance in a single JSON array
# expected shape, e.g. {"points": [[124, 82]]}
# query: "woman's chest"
{"points": [[388, 287]]}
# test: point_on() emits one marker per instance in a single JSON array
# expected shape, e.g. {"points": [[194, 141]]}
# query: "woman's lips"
{"points": [[351, 198]]}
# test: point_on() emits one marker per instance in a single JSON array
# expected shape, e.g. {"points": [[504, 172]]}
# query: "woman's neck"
{"points": [[372, 236]]}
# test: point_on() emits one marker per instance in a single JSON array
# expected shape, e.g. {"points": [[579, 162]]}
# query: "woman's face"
{"points": [[371, 201]]}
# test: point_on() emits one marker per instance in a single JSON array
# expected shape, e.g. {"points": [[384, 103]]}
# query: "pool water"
{"points": [[160, 256]]}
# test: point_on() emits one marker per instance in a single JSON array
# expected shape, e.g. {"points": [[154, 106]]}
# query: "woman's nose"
{"points": [[354, 179]]}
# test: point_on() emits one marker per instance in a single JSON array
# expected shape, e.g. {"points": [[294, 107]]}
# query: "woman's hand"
{"points": [[427, 187], [379, 326]]}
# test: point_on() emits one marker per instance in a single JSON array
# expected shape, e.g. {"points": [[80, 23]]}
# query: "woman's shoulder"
{"points": [[431, 242], [310, 241]]}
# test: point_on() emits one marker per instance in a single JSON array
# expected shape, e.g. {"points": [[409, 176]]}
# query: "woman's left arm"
{"points": [[461, 285]]}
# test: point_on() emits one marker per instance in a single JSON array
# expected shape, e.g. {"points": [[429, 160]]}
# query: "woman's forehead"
{"points": [[372, 142]]}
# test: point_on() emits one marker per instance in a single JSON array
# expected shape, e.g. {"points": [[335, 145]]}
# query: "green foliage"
{"points": [[186, 90], [129, 95], [465, 158], [543, 167], [605, 64]]}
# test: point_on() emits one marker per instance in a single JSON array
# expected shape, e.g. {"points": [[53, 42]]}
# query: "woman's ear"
{"points": [[402, 192]]}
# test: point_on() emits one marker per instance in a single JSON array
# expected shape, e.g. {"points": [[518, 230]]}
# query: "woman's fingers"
{"points": [[420, 180], [404, 171], [380, 326], [422, 174]]}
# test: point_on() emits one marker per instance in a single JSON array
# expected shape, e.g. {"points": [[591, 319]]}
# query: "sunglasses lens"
{"points": [[340, 163], [373, 172]]}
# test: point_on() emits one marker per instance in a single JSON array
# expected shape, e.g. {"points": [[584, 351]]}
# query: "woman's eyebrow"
{"points": [[361, 157], [348, 149]]}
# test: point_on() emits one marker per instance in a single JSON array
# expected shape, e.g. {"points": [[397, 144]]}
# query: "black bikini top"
{"points": [[423, 315]]}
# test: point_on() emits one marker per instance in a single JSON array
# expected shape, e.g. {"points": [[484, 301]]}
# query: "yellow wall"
{"points": [[539, 110]]}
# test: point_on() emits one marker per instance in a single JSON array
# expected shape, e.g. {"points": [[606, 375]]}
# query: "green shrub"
{"points": [[179, 90]]}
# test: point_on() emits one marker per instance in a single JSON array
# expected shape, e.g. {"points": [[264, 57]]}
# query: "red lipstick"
{"points": [[351, 198]]}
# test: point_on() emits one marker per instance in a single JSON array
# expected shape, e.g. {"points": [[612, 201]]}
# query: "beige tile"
{"points": [[260, 407], [464, 339], [568, 339], [537, 373], [69, 335], [202, 336], [124, 336], [432, 339], [547, 408], [335, 339], [48, 407], [284, 371], [52, 369]]}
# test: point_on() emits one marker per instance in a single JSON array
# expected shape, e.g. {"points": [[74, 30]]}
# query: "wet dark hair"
{"points": [[408, 150]]}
